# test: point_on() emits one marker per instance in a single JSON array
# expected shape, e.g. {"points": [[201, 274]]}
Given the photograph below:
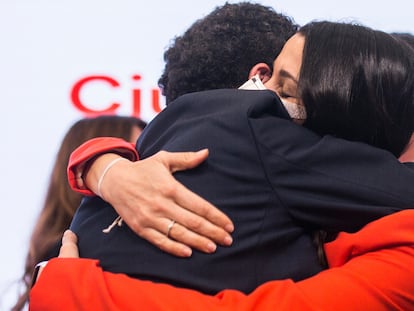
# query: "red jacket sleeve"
{"points": [[371, 270], [90, 149]]}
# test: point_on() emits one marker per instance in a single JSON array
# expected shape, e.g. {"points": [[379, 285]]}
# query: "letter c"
{"points": [[76, 90]]}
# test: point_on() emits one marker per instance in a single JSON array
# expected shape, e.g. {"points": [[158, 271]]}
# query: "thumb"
{"points": [[69, 248], [179, 161]]}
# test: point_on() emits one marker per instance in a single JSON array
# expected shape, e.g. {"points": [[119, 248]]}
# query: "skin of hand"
{"points": [[69, 248], [147, 197]]}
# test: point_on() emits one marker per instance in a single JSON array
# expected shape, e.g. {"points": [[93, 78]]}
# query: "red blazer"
{"points": [[370, 270]]}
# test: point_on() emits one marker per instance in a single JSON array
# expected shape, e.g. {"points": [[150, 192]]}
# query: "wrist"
{"points": [[96, 167], [104, 172]]}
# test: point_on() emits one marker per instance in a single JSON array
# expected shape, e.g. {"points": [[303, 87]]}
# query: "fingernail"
{"points": [[64, 237], [229, 228], [228, 240], [201, 150], [211, 247], [187, 251]]}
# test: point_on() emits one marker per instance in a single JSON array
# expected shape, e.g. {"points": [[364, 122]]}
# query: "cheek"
{"points": [[272, 85]]}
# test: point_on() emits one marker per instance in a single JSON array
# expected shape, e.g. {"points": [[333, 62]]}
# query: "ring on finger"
{"points": [[170, 225]]}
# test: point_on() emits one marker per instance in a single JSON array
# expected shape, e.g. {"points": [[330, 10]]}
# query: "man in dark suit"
{"points": [[265, 172]]}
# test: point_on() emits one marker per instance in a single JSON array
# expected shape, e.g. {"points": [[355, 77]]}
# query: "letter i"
{"points": [[136, 98]]}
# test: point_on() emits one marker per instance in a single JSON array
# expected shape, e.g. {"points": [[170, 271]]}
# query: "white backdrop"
{"points": [[47, 46]]}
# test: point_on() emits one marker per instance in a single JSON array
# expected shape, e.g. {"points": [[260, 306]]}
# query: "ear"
{"points": [[261, 69]]}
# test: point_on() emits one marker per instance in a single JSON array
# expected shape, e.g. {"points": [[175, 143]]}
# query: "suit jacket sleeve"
{"points": [[369, 270], [327, 182], [90, 149]]}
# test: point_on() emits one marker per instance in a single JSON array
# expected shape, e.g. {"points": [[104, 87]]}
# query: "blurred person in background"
{"points": [[61, 202]]}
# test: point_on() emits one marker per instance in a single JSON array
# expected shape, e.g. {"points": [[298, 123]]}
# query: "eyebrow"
{"points": [[285, 74]]}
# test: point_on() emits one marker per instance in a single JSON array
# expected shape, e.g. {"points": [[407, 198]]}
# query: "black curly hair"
{"points": [[218, 51]]}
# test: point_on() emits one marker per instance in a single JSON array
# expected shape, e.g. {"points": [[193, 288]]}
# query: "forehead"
{"points": [[290, 58]]}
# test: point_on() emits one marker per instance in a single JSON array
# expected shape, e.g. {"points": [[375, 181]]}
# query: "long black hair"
{"points": [[357, 83]]}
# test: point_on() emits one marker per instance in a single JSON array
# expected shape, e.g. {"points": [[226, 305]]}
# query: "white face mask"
{"points": [[296, 112], [253, 83]]}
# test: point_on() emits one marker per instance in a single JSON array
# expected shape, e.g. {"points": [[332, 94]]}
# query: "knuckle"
{"points": [[186, 156], [204, 210], [169, 189], [196, 224], [161, 154], [161, 243], [144, 218], [177, 232], [157, 205], [158, 241], [138, 228], [140, 224]]}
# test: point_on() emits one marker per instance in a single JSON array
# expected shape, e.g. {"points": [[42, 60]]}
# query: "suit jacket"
{"points": [[276, 180]]}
